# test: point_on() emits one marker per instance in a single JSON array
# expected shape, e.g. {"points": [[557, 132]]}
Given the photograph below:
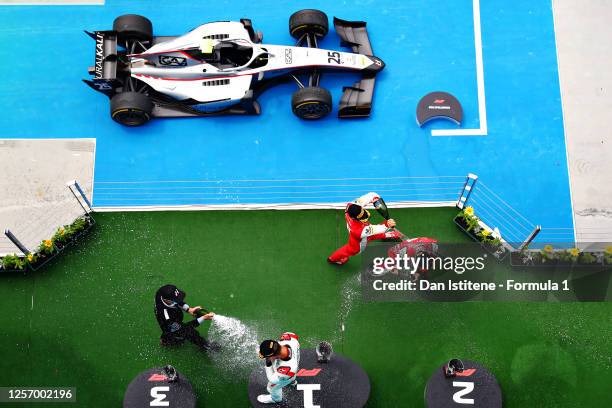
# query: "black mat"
{"points": [[440, 390], [179, 394], [439, 105], [344, 384]]}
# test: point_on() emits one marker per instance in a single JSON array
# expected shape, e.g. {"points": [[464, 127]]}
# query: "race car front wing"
{"points": [[356, 100]]}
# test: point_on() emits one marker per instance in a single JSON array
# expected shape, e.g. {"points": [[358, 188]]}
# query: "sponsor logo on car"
{"points": [[288, 56], [99, 55], [103, 86], [172, 61]]}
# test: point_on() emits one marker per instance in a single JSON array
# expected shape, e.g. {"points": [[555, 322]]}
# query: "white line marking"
{"points": [[281, 206], [32, 303], [567, 158], [272, 180], [482, 109], [93, 174], [227, 187], [52, 3], [459, 132]]}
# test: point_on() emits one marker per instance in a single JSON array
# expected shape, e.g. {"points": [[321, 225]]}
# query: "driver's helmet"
{"points": [[453, 367], [207, 46]]}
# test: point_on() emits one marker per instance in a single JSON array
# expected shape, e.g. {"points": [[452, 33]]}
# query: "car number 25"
{"points": [[333, 56]]}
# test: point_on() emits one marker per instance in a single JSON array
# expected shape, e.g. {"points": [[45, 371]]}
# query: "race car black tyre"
{"points": [[308, 21], [311, 103], [131, 108], [133, 27]]}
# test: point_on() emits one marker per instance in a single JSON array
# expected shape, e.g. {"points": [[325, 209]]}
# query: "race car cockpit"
{"points": [[228, 54], [239, 53], [232, 54]]}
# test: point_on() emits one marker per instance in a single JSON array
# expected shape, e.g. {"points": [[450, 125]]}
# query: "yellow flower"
{"points": [[609, 250], [486, 233], [48, 243], [574, 252], [30, 257], [548, 248], [62, 231], [469, 211]]}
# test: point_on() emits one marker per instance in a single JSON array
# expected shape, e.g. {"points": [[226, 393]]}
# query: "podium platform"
{"points": [[341, 383], [475, 387], [152, 388]]}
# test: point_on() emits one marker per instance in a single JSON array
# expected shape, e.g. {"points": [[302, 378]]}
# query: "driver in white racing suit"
{"points": [[282, 361]]}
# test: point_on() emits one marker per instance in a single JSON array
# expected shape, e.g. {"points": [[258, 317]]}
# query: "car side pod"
{"points": [[356, 100]]}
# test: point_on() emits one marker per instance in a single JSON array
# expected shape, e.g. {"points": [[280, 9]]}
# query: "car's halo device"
{"points": [[221, 68], [453, 367], [324, 352]]}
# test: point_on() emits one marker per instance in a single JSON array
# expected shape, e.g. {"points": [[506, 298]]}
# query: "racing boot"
{"points": [[265, 399], [341, 261]]}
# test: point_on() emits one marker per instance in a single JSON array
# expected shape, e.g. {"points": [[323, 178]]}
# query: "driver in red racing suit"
{"points": [[413, 248], [360, 229]]}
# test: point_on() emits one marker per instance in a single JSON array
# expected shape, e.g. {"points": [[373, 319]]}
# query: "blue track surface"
{"points": [[427, 45]]}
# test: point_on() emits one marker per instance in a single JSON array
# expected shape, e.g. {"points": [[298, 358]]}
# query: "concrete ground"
{"points": [[34, 198], [582, 32]]}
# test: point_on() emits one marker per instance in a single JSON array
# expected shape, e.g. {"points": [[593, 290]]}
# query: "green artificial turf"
{"points": [[92, 326]]}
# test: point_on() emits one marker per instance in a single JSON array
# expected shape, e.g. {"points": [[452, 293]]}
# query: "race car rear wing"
{"points": [[356, 100], [104, 71]]}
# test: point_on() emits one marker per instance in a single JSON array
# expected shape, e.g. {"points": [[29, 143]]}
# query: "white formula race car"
{"points": [[222, 67]]}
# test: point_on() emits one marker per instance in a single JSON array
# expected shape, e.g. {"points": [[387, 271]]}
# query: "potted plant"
{"points": [[31, 259], [492, 242], [607, 258], [484, 236], [45, 252], [61, 238], [13, 263], [80, 226], [546, 256], [568, 256], [46, 247], [467, 221], [522, 257], [69, 233], [588, 258], [497, 248]]}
